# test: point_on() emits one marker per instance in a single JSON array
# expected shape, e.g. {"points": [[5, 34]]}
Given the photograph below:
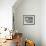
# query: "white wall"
{"points": [[29, 7], [43, 22], [6, 13], [36, 32]]}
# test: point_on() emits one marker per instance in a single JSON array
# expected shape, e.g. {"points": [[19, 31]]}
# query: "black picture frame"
{"points": [[29, 19]]}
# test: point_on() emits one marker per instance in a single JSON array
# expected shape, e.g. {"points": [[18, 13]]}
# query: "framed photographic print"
{"points": [[28, 19]]}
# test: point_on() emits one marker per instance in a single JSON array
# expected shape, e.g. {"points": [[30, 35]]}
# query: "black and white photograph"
{"points": [[29, 19]]}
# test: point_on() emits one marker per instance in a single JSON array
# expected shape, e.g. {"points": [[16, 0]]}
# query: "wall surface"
{"points": [[28, 7], [6, 13], [43, 22], [36, 32]]}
